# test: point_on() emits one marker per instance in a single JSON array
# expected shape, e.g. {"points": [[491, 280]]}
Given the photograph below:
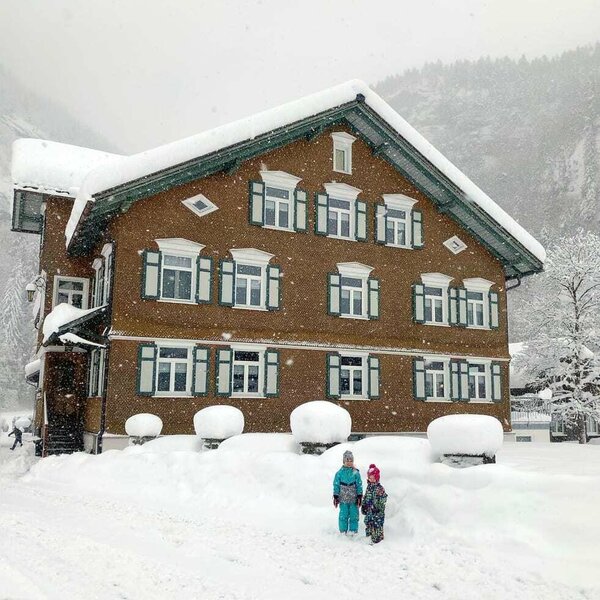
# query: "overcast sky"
{"points": [[145, 72]]}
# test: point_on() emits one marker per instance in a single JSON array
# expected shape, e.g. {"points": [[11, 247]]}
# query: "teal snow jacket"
{"points": [[347, 485]]}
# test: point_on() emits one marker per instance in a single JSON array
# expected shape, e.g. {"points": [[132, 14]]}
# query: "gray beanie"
{"points": [[348, 455]]}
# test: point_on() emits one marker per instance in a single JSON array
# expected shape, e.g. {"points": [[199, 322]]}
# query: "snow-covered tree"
{"points": [[562, 324]]}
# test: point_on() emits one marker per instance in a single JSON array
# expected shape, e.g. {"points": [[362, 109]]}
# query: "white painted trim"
{"points": [[477, 284], [399, 201], [342, 136], [343, 141], [341, 191], [210, 206], [450, 243], [436, 279], [354, 269], [85, 292], [97, 263], [307, 346], [179, 245], [251, 256], [280, 179], [107, 250]]}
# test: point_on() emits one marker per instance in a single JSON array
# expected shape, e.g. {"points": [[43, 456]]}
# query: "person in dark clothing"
{"points": [[18, 437]]}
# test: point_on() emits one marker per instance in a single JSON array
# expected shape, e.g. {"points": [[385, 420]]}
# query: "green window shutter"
{"points": [[204, 266], [455, 380], [226, 282], [271, 373], [418, 302], [300, 210], [200, 371], [256, 205], [360, 232], [380, 223], [334, 287], [417, 229], [321, 213], [151, 274], [419, 379], [462, 307], [373, 287], [493, 302], [496, 382], [146, 373], [373, 362], [453, 303], [334, 363], [273, 287], [463, 366], [223, 370]]}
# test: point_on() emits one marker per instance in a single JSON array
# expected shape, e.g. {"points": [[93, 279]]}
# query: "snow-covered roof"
{"points": [[63, 314], [54, 168], [33, 367]]}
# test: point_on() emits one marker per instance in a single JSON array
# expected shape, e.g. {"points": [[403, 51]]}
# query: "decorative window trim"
{"points": [[283, 181], [455, 244], [406, 204], [186, 249], [210, 206], [261, 349], [439, 280], [488, 380], [341, 191], [85, 291], [343, 141], [447, 381], [346, 193], [364, 356], [280, 179], [179, 245], [479, 285], [255, 258], [189, 361], [360, 271]]}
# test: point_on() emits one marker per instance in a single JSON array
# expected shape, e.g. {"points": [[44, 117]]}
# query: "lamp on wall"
{"points": [[33, 286]]}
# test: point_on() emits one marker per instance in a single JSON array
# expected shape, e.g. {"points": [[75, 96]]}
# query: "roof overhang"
{"points": [[384, 141], [84, 328]]}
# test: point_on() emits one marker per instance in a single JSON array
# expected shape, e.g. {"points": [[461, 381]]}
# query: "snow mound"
{"points": [[143, 425], [320, 422], [260, 443], [218, 422], [170, 443], [22, 423], [465, 434]]}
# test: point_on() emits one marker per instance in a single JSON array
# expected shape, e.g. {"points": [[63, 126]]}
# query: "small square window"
{"points": [[200, 205], [455, 244]]}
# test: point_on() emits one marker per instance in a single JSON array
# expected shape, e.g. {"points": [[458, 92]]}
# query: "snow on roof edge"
{"points": [[150, 161]]}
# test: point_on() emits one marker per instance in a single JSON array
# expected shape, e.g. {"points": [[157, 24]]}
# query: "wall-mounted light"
{"points": [[33, 286]]}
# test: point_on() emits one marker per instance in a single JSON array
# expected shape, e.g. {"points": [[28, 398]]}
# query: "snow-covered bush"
{"points": [[455, 438], [23, 423], [143, 427], [217, 423], [319, 425]]}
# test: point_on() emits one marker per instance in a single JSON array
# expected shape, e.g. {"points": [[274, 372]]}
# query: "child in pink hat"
{"points": [[373, 505]]}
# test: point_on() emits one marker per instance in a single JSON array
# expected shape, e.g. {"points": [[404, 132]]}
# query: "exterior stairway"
{"points": [[61, 440]]}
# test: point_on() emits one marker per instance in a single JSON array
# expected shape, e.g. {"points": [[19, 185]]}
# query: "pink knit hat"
{"points": [[373, 471]]}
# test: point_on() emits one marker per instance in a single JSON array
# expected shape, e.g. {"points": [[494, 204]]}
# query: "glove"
{"points": [[359, 500], [336, 501]]}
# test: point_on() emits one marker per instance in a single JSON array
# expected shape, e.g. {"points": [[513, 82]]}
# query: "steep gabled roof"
{"points": [[113, 187]]}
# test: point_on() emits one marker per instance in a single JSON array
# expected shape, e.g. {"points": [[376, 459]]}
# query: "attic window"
{"points": [[455, 244], [342, 152], [200, 205]]}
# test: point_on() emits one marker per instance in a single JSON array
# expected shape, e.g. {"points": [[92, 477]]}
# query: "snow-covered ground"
{"points": [[255, 520]]}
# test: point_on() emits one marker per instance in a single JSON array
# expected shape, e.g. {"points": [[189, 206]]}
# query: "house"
{"points": [[319, 250]]}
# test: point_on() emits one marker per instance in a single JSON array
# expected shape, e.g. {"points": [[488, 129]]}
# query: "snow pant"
{"points": [[17, 441], [348, 514], [374, 526]]}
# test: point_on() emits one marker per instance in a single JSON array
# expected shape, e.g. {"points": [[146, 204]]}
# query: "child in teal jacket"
{"points": [[347, 494]]}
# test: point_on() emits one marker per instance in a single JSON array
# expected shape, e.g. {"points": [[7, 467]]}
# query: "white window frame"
{"points": [[406, 204], [446, 378], [189, 362], [355, 270], [180, 248], [261, 350], [98, 294], [364, 368], [96, 373], [441, 281], [285, 182], [482, 286], [106, 253], [487, 375], [346, 193], [85, 292], [200, 212], [342, 142], [253, 258], [455, 244], [592, 426]]}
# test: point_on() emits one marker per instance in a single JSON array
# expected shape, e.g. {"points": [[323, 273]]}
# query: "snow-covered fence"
{"points": [[217, 423], [320, 425], [143, 427], [465, 440]]}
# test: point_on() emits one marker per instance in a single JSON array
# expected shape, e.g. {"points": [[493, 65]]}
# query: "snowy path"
{"points": [[63, 542]]}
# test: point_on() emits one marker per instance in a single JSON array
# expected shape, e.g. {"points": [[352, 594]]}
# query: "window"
{"points": [[172, 374], [455, 244], [275, 202], [397, 223], [481, 303], [592, 426], [339, 213], [478, 381], [96, 372], [352, 375], [352, 293], [177, 273], [98, 292], [430, 299], [200, 205], [475, 309], [436, 380], [71, 290], [246, 372], [342, 152], [102, 280], [248, 281]]}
